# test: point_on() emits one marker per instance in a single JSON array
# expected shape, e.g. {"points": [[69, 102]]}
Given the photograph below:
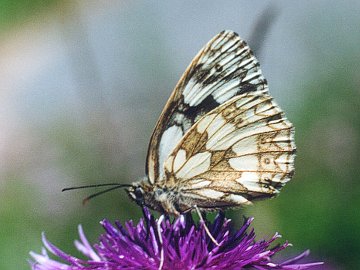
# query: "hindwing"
{"points": [[240, 151]]}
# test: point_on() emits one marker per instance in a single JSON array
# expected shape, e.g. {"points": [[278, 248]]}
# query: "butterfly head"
{"points": [[142, 193], [136, 192], [159, 198]]}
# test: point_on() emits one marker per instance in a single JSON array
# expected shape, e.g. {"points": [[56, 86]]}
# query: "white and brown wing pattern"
{"points": [[240, 151], [224, 68]]}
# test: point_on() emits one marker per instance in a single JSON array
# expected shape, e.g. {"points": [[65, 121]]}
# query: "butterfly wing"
{"points": [[240, 151], [224, 68]]}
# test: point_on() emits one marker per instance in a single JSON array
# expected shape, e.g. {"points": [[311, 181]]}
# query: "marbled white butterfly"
{"points": [[221, 141]]}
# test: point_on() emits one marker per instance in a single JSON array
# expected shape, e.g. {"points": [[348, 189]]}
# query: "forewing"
{"points": [[240, 151], [224, 68]]}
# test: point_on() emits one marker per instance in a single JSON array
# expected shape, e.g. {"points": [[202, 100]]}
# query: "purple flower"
{"points": [[178, 244]]}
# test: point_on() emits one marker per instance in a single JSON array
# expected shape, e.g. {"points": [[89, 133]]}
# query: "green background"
{"points": [[84, 113]]}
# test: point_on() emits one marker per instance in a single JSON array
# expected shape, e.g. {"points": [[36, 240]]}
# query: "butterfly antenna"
{"points": [[102, 192], [97, 185]]}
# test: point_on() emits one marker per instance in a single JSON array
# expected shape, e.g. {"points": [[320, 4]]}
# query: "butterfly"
{"points": [[221, 140]]}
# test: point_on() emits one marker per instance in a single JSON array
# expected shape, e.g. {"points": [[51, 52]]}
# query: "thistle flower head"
{"points": [[166, 244]]}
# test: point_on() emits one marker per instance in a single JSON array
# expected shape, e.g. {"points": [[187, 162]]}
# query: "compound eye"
{"points": [[138, 193]]}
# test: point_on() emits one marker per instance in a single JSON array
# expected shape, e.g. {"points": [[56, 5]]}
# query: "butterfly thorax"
{"points": [[161, 198]]}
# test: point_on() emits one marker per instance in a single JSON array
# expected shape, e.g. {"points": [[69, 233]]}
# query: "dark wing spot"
{"points": [[247, 87], [194, 71], [205, 106], [219, 67], [274, 117]]}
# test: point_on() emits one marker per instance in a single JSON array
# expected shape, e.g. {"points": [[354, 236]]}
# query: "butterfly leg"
{"points": [[160, 220], [205, 227], [146, 223]]}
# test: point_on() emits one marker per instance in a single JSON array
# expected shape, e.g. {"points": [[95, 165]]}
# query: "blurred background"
{"points": [[82, 84]]}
